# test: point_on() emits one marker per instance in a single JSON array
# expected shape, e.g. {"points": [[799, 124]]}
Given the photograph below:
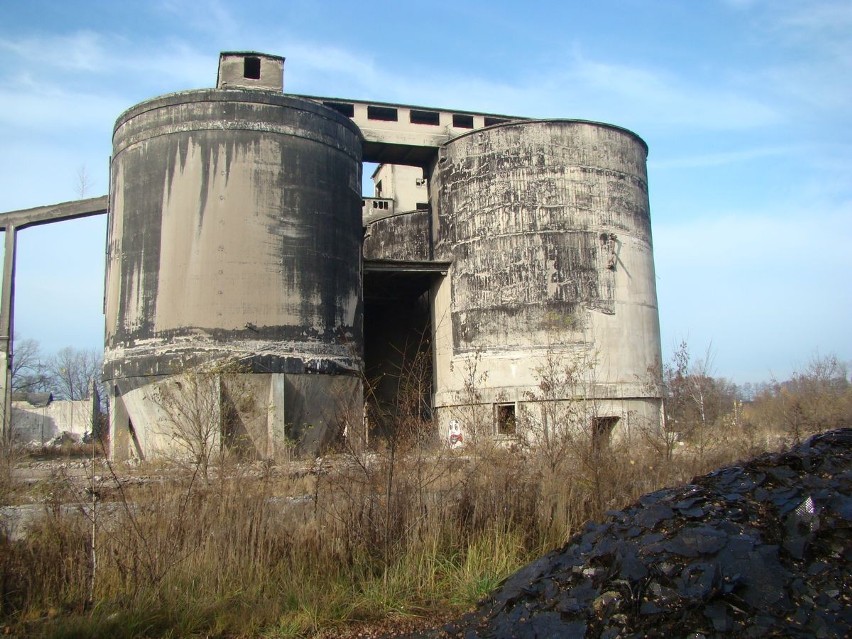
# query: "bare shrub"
{"points": [[817, 398], [197, 409]]}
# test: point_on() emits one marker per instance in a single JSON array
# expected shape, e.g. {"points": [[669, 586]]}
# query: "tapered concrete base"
{"points": [[257, 416]]}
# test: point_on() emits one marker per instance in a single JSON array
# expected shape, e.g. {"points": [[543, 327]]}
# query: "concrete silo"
{"points": [[547, 226], [235, 235]]}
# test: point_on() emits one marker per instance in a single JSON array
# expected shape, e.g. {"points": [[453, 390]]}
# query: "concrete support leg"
{"points": [[119, 432], [278, 447], [7, 313]]}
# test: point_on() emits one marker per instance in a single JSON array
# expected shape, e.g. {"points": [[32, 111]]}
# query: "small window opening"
{"points": [[343, 108], [462, 121], [386, 114], [493, 121], [506, 424], [602, 428], [424, 117], [251, 68], [379, 188], [422, 206]]}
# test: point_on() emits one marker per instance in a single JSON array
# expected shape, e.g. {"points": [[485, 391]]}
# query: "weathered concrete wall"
{"points": [[548, 227], [40, 424], [235, 226], [258, 416], [235, 232], [405, 185], [403, 237]]}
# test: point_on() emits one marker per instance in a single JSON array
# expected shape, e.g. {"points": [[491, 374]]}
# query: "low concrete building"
{"points": [[37, 418]]}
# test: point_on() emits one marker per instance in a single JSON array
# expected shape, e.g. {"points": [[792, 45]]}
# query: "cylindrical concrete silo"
{"points": [[235, 234], [547, 225]]}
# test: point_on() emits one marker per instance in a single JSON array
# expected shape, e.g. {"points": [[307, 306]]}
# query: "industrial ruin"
{"points": [[495, 249]]}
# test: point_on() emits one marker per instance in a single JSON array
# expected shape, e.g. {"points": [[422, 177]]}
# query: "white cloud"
{"points": [[577, 85]]}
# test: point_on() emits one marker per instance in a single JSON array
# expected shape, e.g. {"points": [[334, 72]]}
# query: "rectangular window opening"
{"points": [[462, 121], [422, 206], [432, 118], [386, 114], [493, 121], [506, 424], [251, 68], [342, 107], [602, 428]]}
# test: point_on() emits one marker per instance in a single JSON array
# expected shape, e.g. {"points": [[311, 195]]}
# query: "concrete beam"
{"points": [[406, 134], [24, 218], [391, 280], [11, 222]]}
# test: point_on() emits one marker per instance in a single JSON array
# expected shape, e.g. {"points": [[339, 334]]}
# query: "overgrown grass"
{"points": [[365, 537]]}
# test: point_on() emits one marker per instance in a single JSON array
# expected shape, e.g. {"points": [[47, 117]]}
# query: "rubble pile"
{"points": [[757, 550]]}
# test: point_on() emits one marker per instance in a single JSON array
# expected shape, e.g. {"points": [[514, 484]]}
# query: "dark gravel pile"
{"points": [[758, 550]]}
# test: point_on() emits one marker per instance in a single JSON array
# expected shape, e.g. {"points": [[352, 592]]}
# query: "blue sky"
{"points": [[745, 105]]}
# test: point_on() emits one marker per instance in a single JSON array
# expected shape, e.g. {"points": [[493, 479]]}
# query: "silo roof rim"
{"points": [[551, 120], [224, 95]]}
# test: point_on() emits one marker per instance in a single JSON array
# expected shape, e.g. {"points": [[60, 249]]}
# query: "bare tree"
{"points": [[694, 401], [563, 419], [83, 182], [74, 373], [29, 372], [814, 399]]}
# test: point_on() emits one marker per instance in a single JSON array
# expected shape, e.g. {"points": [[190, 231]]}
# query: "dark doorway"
{"points": [[397, 347]]}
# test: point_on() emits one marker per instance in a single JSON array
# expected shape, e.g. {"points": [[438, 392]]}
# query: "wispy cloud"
{"points": [[766, 287], [81, 51], [748, 242], [48, 108], [95, 56], [659, 96], [721, 159], [811, 70]]}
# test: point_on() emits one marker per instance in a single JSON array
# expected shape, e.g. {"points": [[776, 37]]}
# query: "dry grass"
{"points": [[408, 530]]}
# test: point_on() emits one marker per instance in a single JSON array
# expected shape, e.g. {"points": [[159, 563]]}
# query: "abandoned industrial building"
{"points": [[493, 246]]}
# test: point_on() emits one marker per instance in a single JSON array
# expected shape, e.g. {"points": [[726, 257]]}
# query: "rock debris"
{"points": [[756, 550]]}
